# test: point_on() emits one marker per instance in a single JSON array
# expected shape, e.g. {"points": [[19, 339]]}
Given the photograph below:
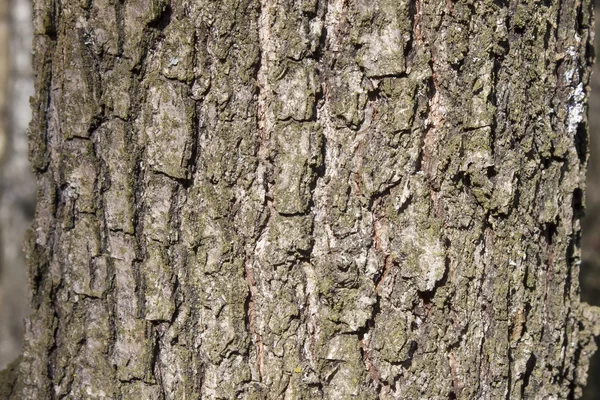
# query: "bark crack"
{"points": [[264, 128]]}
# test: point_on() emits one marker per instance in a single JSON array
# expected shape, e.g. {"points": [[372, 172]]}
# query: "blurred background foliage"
{"points": [[17, 186]]}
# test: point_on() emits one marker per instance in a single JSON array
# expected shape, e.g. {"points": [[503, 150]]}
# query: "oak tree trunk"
{"points": [[308, 199]]}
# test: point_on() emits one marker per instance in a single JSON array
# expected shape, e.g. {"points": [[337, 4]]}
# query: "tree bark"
{"points": [[308, 199]]}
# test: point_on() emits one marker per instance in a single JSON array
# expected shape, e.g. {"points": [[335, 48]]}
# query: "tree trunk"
{"points": [[308, 199], [17, 184]]}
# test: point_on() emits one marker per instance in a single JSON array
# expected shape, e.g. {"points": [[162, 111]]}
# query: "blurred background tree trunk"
{"points": [[17, 185], [590, 265]]}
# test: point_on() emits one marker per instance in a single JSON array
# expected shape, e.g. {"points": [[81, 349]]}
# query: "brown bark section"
{"points": [[314, 199]]}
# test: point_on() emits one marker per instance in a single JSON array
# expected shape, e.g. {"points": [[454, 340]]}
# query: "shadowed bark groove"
{"points": [[308, 199]]}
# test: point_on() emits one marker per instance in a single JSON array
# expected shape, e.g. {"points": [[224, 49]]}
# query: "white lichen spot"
{"points": [[358, 316], [571, 52], [432, 262], [576, 108], [403, 198], [384, 52]]}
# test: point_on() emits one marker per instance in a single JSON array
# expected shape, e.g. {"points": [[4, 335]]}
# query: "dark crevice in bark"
{"points": [[431, 91], [559, 24], [163, 19], [38, 277], [381, 194], [582, 142], [563, 369], [571, 260], [120, 26], [573, 379], [493, 97], [412, 14], [374, 93], [529, 367], [53, 349], [548, 35], [511, 327], [154, 367], [414, 346], [399, 75], [41, 161], [138, 217], [140, 287], [192, 160], [174, 221], [549, 231]]}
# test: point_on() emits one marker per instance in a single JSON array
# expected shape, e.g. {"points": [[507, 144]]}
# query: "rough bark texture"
{"points": [[308, 199]]}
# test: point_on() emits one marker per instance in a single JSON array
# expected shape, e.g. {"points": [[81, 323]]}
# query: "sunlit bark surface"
{"points": [[308, 199]]}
